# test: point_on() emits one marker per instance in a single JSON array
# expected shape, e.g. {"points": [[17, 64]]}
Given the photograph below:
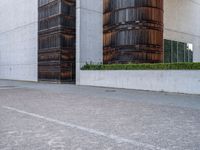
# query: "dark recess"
{"points": [[56, 48]]}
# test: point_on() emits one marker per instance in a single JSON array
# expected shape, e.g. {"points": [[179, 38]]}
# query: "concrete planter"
{"points": [[183, 81]]}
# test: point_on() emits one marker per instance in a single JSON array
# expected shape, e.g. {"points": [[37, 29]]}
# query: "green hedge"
{"points": [[174, 66]]}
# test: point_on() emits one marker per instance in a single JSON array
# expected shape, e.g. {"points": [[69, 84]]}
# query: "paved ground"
{"points": [[67, 117]]}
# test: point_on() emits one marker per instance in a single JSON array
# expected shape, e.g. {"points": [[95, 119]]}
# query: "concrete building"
{"points": [[19, 35]]}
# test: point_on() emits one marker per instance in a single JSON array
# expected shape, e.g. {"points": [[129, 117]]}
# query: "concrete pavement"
{"points": [[41, 116]]}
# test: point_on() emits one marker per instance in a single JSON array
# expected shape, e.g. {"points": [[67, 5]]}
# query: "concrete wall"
{"points": [[168, 81], [18, 39], [182, 23], [89, 36]]}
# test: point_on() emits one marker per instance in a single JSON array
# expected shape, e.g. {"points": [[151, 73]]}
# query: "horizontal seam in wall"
{"points": [[19, 27], [18, 64], [195, 2], [182, 32], [90, 10]]}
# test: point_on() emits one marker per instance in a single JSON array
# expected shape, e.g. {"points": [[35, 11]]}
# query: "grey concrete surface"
{"points": [[41, 116], [89, 33], [19, 40], [179, 81], [181, 23]]}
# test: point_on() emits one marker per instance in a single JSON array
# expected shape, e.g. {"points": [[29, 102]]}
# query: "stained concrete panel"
{"points": [[18, 39], [178, 81]]}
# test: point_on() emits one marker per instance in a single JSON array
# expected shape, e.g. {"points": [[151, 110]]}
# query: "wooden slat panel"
{"points": [[133, 31], [56, 40]]}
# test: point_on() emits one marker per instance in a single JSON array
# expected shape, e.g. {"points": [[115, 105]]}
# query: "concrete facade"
{"points": [[18, 39], [89, 36], [167, 81], [19, 29], [182, 23]]}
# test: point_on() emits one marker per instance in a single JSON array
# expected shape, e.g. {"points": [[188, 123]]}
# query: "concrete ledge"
{"points": [[168, 81]]}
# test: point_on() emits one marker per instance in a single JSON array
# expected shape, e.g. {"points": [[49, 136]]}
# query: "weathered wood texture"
{"points": [[56, 40], [133, 31]]}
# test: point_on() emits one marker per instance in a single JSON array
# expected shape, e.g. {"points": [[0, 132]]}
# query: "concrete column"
{"points": [[89, 33]]}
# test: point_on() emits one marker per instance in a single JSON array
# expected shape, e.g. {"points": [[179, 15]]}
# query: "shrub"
{"points": [[158, 66]]}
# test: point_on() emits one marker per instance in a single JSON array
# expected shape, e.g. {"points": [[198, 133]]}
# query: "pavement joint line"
{"points": [[9, 88], [116, 138]]}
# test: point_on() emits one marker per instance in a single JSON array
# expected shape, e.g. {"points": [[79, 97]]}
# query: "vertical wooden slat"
{"points": [[56, 56], [133, 31]]}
